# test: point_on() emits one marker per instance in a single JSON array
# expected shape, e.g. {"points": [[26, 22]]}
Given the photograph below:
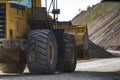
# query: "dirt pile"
{"points": [[103, 26], [105, 31], [96, 51]]}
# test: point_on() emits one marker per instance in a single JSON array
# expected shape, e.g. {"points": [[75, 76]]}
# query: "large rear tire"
{"points": [[42, 52], [68, 63]]}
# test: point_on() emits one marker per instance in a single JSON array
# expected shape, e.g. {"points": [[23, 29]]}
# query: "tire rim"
{"points": [[51, 52], [72, 53]]}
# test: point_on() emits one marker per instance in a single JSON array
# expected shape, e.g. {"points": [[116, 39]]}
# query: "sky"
{"points": [[70, 8]]}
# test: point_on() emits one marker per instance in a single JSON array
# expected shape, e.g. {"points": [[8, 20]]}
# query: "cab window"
{"points": [[27, 3]]}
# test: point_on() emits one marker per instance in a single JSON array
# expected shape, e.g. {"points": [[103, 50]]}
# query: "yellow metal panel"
{"points": [[36, 3], [16, 22], [77, 30], [7, 22]]}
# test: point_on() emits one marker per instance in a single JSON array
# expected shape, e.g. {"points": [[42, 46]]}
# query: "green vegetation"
{"points": [[97, 11]]}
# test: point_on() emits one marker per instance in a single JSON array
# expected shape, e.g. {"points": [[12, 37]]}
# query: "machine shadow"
{"points": [[74, 74]]}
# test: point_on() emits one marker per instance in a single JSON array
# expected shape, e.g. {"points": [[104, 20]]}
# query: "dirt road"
{"points": [[98, 69]]}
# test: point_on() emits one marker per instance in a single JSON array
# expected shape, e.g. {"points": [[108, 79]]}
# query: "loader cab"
{"points": [[27, 3], [50, 8]]}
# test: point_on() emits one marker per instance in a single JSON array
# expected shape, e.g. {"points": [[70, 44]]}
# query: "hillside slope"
{"points": [[95, 12]]}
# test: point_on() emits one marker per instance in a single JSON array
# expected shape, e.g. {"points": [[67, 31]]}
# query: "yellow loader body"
{"points": [[17, 24]]}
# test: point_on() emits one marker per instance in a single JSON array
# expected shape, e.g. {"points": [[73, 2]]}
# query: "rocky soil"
{"points": [[105, 31]]}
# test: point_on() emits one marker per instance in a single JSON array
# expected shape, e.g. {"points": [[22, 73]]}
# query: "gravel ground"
{"points": [[98, 69], [67, 76]]}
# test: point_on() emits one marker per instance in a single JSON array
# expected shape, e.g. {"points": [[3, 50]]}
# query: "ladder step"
{"points": [[1, 30], [2, 16], [2, 34], [2, 12], [2, 21], [1, 26]]}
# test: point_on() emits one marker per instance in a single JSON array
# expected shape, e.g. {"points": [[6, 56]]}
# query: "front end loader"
{"points": [[30, 36]]}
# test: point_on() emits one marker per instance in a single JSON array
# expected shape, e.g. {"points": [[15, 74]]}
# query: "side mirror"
{"points": [[56, 11]]}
